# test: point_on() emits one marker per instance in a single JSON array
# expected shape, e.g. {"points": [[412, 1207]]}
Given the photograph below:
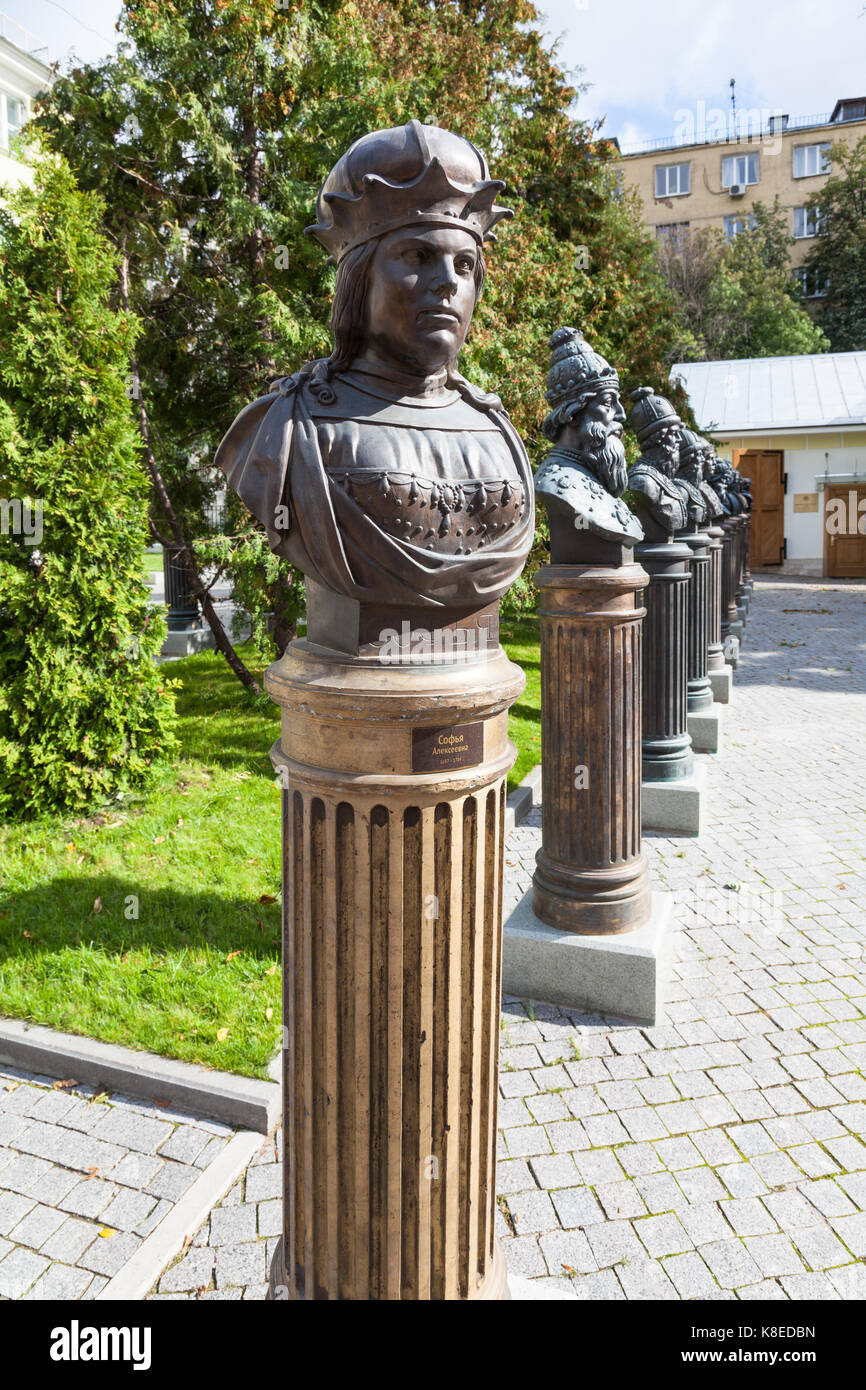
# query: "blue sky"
{"points": [[646, 61]]}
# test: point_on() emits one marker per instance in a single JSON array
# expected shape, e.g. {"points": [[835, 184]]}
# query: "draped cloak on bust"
{"points": [[276, 456]]}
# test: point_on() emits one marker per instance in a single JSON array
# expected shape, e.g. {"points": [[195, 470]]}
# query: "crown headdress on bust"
{"points": [[691, 445], [651, 414], [576, 369], [411, 175]]}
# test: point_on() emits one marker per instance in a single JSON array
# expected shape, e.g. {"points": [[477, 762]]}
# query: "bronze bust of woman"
{"points": [[380, 472]]}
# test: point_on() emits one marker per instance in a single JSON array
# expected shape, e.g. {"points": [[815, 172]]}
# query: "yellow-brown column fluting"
{"points": [[392, 916], [591, 873]]}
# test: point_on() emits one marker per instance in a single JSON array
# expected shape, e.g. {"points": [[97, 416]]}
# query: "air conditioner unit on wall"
{"points": [[737, 190]]}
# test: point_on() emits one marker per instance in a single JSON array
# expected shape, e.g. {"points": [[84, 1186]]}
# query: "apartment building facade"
{"points": [[714, 178], [24, 73]]}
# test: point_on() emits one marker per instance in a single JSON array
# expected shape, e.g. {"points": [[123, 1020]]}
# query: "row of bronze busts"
{"points": [[678, 484]]}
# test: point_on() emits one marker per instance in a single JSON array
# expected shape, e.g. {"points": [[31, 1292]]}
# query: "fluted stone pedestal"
{"points": [[590, 934], [393, 811], [671, 794], [703, 716], [699, 694], [718, 671], [591, 874], [729, 575], [187, 633]]}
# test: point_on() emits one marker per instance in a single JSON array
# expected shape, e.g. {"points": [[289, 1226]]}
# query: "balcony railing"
{"points": [[22, 38], [736, 134]]}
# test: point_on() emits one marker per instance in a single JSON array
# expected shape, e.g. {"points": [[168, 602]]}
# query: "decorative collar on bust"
{"points": [[401, 383]]}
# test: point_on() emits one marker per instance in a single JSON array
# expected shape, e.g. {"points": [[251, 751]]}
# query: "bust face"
{"points": [[691, 468], [664, 451], [596, 435], [420, 298]]}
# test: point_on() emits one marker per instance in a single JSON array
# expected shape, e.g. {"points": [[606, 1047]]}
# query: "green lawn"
{"points": [[195, 975], [152, 562]]}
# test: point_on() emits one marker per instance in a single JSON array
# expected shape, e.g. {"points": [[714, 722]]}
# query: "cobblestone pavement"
{"points": [[721, 1154], [84, 1177]]}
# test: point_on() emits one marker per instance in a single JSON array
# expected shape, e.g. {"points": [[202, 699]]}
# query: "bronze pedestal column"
{"points": [[392, 924], [715, 650], [666, 746], [591, 873], [699, 692]]}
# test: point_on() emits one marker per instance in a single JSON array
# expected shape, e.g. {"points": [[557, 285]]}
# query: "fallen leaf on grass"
{"points": [[269, 1013], [63, 1085], [267, 898], [28, 934], [231, 955], [97, 905], [159, 839], [222, 1034], [272, 969]]}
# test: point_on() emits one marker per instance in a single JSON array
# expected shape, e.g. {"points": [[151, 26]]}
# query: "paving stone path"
{"points": [[720, 1155], [84, 1178]]}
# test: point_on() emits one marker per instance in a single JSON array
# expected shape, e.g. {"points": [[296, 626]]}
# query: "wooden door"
{"points": [[765, 469], [845, 531]]}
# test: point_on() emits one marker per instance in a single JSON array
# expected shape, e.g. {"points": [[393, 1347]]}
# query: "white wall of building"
{"points": [[22, 78], [807, 458]]}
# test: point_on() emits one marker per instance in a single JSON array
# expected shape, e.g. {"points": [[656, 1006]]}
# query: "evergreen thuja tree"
{"points": [[84, 709]]}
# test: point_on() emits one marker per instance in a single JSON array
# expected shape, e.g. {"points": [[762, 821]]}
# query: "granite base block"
{"points": [[705, 730], [674, 807], [732, 650], [187, 642], [623, 975], [722, 683]]}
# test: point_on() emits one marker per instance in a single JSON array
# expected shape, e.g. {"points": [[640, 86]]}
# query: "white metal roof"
{"points": [[761, 394]]}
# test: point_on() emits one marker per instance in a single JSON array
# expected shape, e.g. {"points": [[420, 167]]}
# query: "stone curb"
{"points": [[526, 796], [240, 1101], [150, 1260]]}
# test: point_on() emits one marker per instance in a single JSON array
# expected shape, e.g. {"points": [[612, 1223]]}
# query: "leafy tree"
{"points": [[737, 298], [84, 710], [838, 257], [208, 144]]}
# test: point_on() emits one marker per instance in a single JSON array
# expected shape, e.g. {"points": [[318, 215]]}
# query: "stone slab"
{"points": [[675, 807], [732, 650], [241, 1101], [187, 642], [623, 976], [525, 797], [736, 630], [705, 730], [722, 682]]}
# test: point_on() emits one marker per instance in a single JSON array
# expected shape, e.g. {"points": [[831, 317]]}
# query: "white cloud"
{"points": [[646, 61]]}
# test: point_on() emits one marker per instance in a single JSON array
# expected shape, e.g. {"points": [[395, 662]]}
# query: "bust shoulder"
{"points": [[563, 484]]}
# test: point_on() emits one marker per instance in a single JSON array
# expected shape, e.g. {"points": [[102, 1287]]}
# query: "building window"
{"points": [[850, 110], [807, 222], [810, 160], [13, 116], [671, 231], [812, 285], [672, 180], [739, 168], [736, 224]]}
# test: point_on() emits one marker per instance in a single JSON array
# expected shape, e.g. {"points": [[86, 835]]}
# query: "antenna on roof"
{"points": [[733, 86]]}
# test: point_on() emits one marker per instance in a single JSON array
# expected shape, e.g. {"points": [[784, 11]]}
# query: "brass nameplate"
{"points": [[805, 501], [441, 750]]}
